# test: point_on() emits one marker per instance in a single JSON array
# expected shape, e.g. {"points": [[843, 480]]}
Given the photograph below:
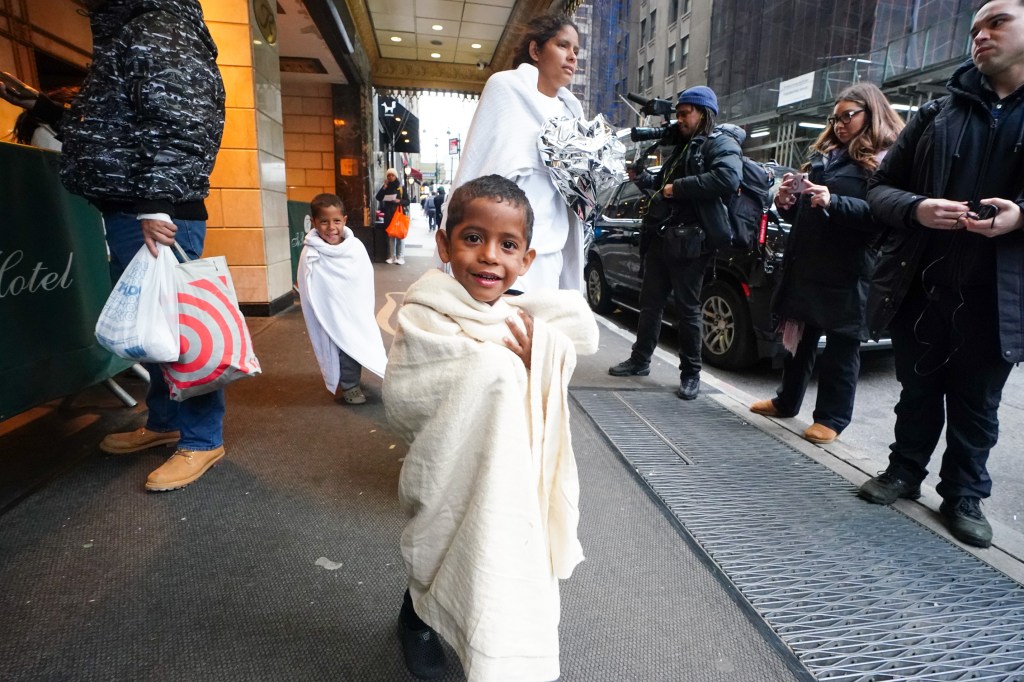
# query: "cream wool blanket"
{"points": [[490, 482], [336, 289]]}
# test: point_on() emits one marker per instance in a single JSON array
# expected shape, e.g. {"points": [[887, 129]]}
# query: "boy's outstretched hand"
{"points": [[521, 341]]}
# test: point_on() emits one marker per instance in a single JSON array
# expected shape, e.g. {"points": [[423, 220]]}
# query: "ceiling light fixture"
{"points": [[437, 27], [435, 55], [396, 39], [476, 46], [816, 126]]}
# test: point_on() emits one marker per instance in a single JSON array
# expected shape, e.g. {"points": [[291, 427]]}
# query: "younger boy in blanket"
{"points": [[477, 382], [336, 289]]}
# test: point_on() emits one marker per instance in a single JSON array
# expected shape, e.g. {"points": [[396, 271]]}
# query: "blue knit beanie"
{"points": [[701, 96]]}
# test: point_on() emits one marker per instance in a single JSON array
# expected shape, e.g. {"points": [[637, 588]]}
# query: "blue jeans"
{"points": [[200, 419], [396, 247]]}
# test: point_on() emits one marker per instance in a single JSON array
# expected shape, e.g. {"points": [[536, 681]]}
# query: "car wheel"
{"points": [[727, 334], [599, 296]]}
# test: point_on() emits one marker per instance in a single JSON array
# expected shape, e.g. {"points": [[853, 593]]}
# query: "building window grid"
{"points": [[650, 74], [684, 52], [654, 22], [670, 60], [673, 11], [643, 31]]}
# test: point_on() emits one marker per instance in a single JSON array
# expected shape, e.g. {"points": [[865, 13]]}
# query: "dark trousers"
{"points": [[838, 368], [662, 277], [947, 359]]}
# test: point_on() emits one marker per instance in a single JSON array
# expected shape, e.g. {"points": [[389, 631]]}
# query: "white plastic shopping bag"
{"points": [[216, 347], [139, 321]]}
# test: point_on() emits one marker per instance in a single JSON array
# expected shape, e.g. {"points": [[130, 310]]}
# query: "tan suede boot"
{"points": [[184, 467], [820, 434], [765, 407], [139, 439]]}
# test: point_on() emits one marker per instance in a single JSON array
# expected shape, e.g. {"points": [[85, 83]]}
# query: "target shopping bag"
{"points": [[216, 347]]}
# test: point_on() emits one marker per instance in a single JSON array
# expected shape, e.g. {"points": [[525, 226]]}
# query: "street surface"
{"points": [[872, 427]]}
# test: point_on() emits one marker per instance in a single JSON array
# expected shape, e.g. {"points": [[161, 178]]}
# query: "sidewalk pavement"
{"points": [[282, 562]]}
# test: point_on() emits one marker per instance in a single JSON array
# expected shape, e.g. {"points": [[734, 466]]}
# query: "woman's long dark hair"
{"points": [[879, 132], [26, 123], [539, 30]]}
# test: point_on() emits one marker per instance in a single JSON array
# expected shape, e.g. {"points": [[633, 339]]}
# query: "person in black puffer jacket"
{"points": [[139, 142], [829, 260], [950, 284]]}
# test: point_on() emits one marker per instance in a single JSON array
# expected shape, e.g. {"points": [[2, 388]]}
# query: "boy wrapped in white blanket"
{"points": [[477, 382], [336, 288]]}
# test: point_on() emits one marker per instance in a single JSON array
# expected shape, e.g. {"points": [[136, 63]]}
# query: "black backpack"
{"points": [[748, 207]]}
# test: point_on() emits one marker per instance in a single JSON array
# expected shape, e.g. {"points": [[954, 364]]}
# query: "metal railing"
{"points": [[941, 43]]}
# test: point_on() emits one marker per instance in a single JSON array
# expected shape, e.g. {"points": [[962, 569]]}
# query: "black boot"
{"points": [[689, 387], [421, 647]]}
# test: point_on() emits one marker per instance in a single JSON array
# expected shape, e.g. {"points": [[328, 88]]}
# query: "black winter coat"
{"points": [[144, 130], [394, 187], [829, 257], [708, 172], [920, 166]]}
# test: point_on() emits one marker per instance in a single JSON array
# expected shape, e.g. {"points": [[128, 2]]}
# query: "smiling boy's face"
{"points": [[329, 222], [487, 249]]}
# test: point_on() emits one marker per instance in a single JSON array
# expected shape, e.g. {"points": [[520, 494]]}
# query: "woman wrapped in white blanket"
{"points": [[478, 383]]}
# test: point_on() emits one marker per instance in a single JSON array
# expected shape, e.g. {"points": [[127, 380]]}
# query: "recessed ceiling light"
{"points": [[435, 55], [437, 27], [476, 46], [396, 39]]}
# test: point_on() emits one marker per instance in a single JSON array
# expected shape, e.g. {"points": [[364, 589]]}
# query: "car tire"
{"points": [[727, 334], [599, 296]]}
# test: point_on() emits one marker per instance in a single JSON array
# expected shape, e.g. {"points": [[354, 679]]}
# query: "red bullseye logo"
{"points": [[215, 342]]}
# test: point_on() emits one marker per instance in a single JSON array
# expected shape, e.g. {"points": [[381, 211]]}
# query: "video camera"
{"points": [[654, 107]]}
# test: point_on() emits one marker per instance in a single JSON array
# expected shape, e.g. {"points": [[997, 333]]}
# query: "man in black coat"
{"points": [[692, 185], [139, 142], [950, 285]]}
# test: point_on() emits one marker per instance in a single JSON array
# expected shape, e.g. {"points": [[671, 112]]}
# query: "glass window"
{"points": [[673, 10], [640, 82], [684, 52], [643, 31], [650, 73], [670, 61], [686, 7], [654, 21]]}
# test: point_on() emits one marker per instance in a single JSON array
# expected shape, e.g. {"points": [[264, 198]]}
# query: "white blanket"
{"points": [[489, 482], [336, 289], [502, 140]]}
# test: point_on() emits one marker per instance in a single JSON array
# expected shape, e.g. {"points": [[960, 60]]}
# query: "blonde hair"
{"points": [[879, 133]]}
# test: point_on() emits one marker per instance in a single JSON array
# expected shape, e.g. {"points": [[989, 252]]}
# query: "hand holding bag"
{"points": [[399, 225], [139, 321], [215, 347]]}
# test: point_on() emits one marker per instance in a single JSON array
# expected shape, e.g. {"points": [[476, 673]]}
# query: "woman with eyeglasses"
{"points": [[829, 260]]}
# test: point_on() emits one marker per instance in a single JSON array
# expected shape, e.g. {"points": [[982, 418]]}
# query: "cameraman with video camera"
{"points": [[685, 222]]}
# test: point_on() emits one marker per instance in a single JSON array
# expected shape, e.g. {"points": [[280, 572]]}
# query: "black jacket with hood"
{"points": [[143, 132], [954, 148], [705, 173], [829, 258]]}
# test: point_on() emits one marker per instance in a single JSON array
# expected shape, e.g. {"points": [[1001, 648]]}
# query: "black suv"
{"points": [[737, 324]]}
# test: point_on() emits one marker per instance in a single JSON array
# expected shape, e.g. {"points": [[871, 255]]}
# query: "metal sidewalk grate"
{"points": [[857, 591]]}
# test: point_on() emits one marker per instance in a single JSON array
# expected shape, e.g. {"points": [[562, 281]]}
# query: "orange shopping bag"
{"points": [[399, 225]]}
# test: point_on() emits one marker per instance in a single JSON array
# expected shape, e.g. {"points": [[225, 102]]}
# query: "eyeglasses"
{"points": [[844, 117]]}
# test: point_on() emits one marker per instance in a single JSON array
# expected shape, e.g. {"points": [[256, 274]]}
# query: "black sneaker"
{"points": [[689, 387], [630, 368], [966, 522], [886, 488], [421, 646]]}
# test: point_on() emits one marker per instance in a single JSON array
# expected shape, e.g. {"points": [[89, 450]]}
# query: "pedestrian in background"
{"points": [[139, 142], [950, 285], [692, 185], [829, 260], [391, 195], [431, 211], [514, 107]]}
